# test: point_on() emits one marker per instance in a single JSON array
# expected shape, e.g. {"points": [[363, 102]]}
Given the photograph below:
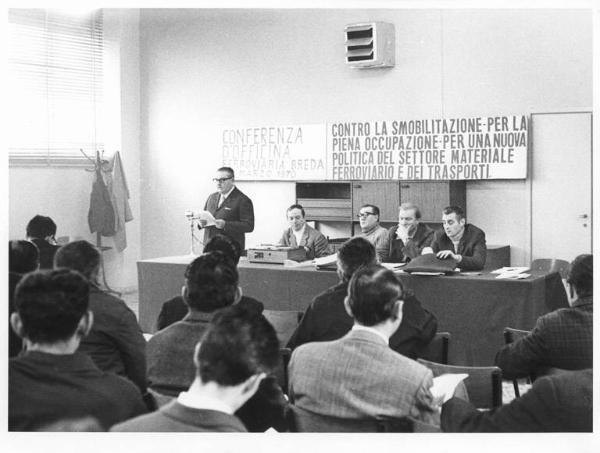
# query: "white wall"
{"points": [[202, 69], [64, 193]]}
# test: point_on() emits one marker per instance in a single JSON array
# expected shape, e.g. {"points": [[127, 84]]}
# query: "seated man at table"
{"points": [[460, 241], [52, 380], [211, 283], [560, 339], [175, 309], [557, 403], [409, 237], [115, 343], [237, 351], [299, 234], [368, 218], [326, 317], [41, 230], [359, 376]]}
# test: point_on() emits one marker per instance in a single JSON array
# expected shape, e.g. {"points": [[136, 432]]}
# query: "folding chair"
{"points": [[484, 384], [304, 421], [437, 349], [510, 336]]}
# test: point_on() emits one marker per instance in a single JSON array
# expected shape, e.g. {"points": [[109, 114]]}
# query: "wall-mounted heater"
{"points": [[370, 45]]}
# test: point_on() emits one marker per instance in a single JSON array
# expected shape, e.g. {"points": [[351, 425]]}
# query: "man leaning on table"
{"points": [[410, 236], [299, 234], [459, 240]]}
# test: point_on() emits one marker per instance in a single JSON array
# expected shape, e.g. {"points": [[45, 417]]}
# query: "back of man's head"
{"points": [[211, 282], [50, 304], [221, 243], [354, 253], [80, 256], [40, 227], [23, 256], [372, 295], [238, 344], [581, 275]]}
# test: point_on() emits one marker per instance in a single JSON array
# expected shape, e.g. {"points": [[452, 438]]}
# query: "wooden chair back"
{"points": [[437, 350], [510, 336], [551, 265]]}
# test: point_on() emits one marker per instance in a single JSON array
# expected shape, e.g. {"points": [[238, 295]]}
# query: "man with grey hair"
{"points": [[410, 236]]}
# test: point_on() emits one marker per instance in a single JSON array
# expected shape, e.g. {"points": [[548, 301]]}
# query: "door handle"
{"points": [[582, 216]]}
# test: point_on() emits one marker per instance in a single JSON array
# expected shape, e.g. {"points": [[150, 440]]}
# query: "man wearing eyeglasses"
{"points": [[233, 211], [368, 218]]}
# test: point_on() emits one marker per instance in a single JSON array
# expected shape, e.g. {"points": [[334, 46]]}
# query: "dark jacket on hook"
{"points": [[101, 216]]}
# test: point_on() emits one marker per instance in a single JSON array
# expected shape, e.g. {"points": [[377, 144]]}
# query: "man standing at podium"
{"points": [[233, 211]]}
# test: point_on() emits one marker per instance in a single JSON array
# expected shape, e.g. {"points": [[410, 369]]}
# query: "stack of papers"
{"points": [[512, 272], [444, 386], [326, 260]]}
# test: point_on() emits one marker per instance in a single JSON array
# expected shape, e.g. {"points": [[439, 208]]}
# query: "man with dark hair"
{"points": [[556, 403], [460, 241], [175, 309], [560, 339], [409, 237], [368, 218], [23, 257], [299, 234], [233, 211], [115, 342], [327, 319], [359, 376], [211, 283], [237, 351], [52, 380], [41, 230]]}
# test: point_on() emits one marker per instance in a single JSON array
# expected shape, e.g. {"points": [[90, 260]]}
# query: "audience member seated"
{"points": [[175, 309], [299, 234], [23, 257], [211, 283], [51, 380], [410, 236], [238, 349], [368, 218], [326, 317], [560, 339], [557, 403], [115, 343], [41, 230], [359, 376], [460, 241]]}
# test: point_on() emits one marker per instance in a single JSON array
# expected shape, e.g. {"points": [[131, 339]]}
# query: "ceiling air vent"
{"points": [[370, 45]]}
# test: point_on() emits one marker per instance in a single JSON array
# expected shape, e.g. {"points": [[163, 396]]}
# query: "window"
{"points": [[55, 76]]}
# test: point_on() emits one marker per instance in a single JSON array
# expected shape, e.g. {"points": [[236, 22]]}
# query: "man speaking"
{"points": [[232, 210]]}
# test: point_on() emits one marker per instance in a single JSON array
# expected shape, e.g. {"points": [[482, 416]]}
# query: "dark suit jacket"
{"points": [[15, 344], [560, 339], [171, 370], [44, 388], [47, 252], [175, 310], [471, 247], [326, 319], [238, 213], [175, 417], [400, 252], [312, 239], [555, 403], [115, 343]]}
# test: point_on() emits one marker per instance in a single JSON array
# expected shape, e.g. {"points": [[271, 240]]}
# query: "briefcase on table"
{"points": [[430, 264]]}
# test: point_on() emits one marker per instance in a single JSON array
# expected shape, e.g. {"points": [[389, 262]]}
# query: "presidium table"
{"points": [[473, 308]]}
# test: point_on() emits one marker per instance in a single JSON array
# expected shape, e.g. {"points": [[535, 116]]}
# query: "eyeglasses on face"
{"points": [[222, 179], [364, 215]]}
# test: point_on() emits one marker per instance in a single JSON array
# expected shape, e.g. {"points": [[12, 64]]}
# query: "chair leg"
{"points": [[516, 387]]}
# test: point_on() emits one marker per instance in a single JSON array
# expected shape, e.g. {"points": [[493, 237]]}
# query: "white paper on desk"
{"points": [[325, 260], [205, 215], [292, 263], [511, 270], [427, 273], [393, 266], [445, 385], [513, 276]]}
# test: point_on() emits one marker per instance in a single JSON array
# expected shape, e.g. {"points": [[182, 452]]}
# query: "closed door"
{"points": [[384, 195], [431, 197], [561, 185]]}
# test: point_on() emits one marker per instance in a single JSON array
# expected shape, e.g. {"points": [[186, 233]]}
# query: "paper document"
{"points": [[393, 266], [205, 215], [325, 260], [292, 263], [510, 270], [444, 386], [514, 276]]}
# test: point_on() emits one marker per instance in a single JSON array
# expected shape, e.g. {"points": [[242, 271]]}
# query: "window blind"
{"points": [[55, 76]]}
